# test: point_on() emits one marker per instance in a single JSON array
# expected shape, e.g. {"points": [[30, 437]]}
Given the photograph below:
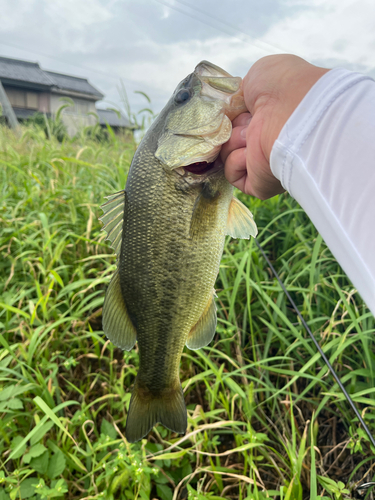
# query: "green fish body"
{"points": [[168, 229]]}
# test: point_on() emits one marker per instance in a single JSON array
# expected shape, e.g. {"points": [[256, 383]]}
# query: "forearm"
{"points": [[325, 158]]}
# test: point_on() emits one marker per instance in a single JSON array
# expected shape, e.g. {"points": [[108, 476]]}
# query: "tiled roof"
{"points": [[74, 83], [109, 116], [23, 71], [18, 72]]}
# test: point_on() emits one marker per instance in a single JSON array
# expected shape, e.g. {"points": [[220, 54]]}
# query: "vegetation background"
{"points": [[265, 419]]}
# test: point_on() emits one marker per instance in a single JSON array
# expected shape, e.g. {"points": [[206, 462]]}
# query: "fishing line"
{"points": [[335, 376]]}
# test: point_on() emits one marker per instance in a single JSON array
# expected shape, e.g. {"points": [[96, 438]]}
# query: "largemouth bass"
{"points": [[168, 229]]}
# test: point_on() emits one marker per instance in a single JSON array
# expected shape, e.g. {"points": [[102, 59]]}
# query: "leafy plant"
{"points": [[336, 489], [52, 127], [140, 120], [265, 419]]}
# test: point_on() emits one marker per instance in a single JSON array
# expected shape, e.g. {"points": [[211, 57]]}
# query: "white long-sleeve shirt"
{"points": [[325, 158]]}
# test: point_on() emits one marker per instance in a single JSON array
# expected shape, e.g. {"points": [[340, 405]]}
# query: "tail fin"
{"points": [[145, 412]]}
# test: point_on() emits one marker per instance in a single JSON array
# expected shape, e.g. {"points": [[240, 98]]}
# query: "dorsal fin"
{"points": [[113, 219], [240, 222]]}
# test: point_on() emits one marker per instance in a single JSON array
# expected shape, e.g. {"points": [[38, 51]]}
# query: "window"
{"points": [[22, 98], [32, 100], [17, 98]]}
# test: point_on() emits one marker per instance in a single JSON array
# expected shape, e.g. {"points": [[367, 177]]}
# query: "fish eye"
{"points": [[182, 96]]}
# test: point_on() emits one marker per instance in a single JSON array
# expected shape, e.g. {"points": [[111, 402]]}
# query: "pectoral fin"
{"points": [[116, 322], [240, 222], [204, 330]]}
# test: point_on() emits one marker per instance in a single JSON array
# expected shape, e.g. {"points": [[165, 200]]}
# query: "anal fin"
{"points": [[240, 222], [117, 324], [204, 330]]}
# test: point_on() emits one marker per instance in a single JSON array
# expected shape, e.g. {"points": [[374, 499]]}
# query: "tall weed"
{"points": [[265, 420]]}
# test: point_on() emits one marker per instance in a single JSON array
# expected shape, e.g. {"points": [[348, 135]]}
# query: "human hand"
{"points": [[273, 88]]}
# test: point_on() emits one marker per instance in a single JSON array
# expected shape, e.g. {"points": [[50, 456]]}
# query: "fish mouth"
{"points": [[199, 120], [199, 168], [218, 84], [206, 68], [204, 167]]}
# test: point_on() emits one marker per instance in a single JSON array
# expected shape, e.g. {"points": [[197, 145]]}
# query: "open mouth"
{"points": [[199, 168]]}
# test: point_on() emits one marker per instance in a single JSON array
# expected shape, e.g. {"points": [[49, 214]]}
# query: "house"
{"points": [[113, 119], [30, 89]]}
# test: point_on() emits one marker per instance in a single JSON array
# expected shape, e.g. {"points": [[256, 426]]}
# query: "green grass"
{"points": [[266, 419]]}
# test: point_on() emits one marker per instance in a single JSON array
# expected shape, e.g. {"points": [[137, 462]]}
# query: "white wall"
{"points": [[76, 116]]}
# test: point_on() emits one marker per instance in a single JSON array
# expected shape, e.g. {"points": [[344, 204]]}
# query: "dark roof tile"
{"points": [[74, 83], [109, 116], [13, 69], [29, 72]]}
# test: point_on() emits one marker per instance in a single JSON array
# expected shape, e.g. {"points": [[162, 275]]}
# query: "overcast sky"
{"points": [[153, 44]]}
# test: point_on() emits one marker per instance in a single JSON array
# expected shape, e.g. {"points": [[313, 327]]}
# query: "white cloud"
{"points": [[329, 29], [166, 11], [331, 32], [13, 12], [153, 47], [78, 14], [177, 60]]}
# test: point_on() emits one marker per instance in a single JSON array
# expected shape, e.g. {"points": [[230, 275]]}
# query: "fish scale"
{"points": [[164, 305], [172, 239]]}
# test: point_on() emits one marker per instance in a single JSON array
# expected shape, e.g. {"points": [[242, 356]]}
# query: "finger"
{"points": [[261, 80], [262, 185], [236, 141], [235, 165], [242, 119]]}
